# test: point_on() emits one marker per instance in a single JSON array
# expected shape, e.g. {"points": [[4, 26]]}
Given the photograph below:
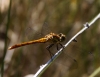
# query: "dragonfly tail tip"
{"points": [[9, 48]]}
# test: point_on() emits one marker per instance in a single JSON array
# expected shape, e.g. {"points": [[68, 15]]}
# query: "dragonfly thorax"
{"points": [[55, 37]]}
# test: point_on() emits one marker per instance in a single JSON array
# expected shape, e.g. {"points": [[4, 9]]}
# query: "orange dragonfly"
{"points": [[51, 37]]}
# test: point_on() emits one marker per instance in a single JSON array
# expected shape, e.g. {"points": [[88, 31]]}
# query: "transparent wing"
{"points": [[67, 61], [35, 32], [29, 33], [45, 29]]}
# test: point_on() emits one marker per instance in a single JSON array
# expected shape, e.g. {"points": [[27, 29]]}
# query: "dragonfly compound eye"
{"points": [[62, 37]]}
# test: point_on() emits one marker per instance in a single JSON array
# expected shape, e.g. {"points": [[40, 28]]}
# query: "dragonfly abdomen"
{"points": [[42, 40]]}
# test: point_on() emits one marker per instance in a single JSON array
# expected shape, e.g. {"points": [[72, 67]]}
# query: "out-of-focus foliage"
{"points": [[65, 16]]}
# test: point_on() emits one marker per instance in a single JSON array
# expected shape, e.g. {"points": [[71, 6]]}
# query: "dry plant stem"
{"points": [[97, 71], [45, 66], [5, 48]]}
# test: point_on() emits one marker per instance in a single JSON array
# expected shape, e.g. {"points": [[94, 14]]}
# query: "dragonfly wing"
{"points": [[45, 29], [67, 61]]}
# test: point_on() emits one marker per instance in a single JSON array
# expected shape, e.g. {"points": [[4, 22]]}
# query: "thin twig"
{"points": [[45, 66]]}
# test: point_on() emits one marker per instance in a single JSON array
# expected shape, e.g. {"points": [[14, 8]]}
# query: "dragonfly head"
{"points": [[62, 37]]}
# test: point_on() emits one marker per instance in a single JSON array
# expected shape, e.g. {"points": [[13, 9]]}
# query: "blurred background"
{"points": [[27, 22]]}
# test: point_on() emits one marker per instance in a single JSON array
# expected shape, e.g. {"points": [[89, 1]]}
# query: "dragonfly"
{"points": [[53, 38]]}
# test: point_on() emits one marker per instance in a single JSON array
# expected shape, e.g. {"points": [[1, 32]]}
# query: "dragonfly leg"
{"points": [[74, 40], [60, 45], [57, 47], [48, 48]]}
